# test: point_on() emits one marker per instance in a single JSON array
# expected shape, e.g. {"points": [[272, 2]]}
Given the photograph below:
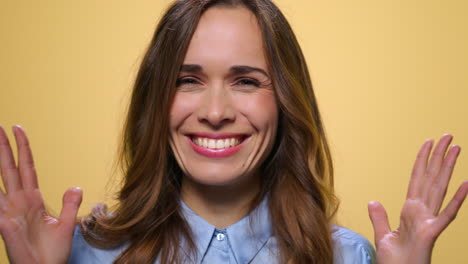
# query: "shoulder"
{"points": [[351, 247], [82, 252]]}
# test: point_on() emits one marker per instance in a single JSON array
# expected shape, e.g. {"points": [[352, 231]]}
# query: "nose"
{"points": [[216, 109]]}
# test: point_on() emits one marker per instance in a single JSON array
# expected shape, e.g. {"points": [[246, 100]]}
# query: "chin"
{"points": [[215, 178]]}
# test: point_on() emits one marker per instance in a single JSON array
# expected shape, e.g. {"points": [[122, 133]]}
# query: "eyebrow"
{"points": [[236, 69], [191, 68]]}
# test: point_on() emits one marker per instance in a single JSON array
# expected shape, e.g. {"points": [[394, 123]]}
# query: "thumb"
{"points": [[70, 205], [379, 219]]}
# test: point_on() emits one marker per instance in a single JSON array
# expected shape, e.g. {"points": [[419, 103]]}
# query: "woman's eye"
{"points": [[248, 82], [186, 81]]}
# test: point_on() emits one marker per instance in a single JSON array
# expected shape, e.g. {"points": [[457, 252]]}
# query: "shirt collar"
{"points": [[246, 237]]}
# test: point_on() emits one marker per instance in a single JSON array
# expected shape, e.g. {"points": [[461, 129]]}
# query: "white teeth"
{"points": [[216, 143], [211, 143], [219, 144]]}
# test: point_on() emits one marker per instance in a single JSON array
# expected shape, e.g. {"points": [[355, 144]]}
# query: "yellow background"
{"points": [[387, 74]]}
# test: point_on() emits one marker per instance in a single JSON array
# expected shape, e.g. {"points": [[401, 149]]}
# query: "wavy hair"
{"points": [[297, 175]]}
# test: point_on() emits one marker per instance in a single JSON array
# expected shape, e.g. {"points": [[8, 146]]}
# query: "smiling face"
{"points": [[224, 115]]}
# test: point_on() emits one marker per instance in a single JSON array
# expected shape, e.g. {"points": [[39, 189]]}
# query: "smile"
{"points": [[217, 146], [216, 143]]}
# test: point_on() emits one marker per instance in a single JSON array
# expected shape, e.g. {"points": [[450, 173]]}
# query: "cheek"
{"points": [[182, 106], [261, 110]]}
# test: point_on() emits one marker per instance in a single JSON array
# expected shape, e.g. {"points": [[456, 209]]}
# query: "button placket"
{"points": [[220, 236], [219, 240]]}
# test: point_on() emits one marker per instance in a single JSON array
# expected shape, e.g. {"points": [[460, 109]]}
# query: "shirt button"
{"points": [[220, 237]]}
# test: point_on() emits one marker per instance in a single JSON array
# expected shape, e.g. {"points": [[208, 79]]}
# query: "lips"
{"points": [[216, 145]]}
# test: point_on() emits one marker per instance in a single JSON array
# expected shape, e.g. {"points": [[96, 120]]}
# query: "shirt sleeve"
{"points": [[352, 248]]}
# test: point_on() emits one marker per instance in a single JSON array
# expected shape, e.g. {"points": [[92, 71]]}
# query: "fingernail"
{"points": [[76, 189], [430, 142], [448, 136], [16, 128]]}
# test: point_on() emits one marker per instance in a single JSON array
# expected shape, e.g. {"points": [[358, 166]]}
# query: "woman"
{"points": [[225, 159]]}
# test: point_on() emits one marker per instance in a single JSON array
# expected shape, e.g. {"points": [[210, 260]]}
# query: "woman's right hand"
{"points": [[29, 233]]}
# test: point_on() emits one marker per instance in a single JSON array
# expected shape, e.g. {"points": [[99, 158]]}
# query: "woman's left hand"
{"points": [[420, 221]]}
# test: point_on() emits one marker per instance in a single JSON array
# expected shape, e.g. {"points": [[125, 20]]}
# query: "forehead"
{"points": [[227, 36]]}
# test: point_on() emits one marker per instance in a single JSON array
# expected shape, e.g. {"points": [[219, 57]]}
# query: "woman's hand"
{"points": [[30, 234], [420, 220]]}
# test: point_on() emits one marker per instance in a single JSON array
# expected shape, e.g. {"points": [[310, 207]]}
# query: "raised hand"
{"points": [[421, 221], [29, 233]]}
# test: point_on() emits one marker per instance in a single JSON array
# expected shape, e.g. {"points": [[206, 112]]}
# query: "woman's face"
{"points": [[224, 116]]}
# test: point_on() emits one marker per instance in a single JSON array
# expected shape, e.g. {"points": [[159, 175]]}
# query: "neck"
{"points": [[220, 206]]}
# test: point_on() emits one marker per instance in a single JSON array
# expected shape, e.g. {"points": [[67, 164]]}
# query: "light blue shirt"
{"points": [[250, 240]]}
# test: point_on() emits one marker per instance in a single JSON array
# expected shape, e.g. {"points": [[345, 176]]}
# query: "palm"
{"points": [[30, 234], [420, 221], [416, 224]]}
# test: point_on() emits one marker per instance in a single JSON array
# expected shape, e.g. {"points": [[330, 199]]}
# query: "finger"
{"points": [[71, 203], [450, 212], [3, 201], [439, 188], [379, 219], [10, 176], [26, 167], [435, 163], [419, 169]]}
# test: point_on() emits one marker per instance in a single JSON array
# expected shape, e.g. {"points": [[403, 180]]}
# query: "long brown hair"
{"points": [[297, 175]]}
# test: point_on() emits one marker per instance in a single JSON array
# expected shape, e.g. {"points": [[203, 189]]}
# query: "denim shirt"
{"points": [[250, 240]]}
